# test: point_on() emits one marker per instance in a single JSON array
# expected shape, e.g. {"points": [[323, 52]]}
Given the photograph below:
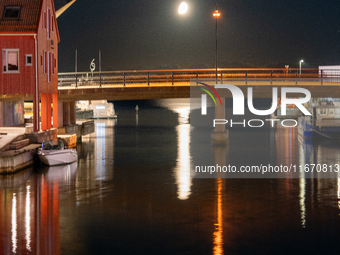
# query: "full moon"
{"points": [[183, 7]]}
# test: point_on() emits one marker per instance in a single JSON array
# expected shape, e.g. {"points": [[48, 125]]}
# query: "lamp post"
{"points": [[216, 14], [300, 62]]}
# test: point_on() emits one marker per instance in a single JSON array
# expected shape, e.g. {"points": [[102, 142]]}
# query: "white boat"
{"points": [[101, 108], [324, 122], [57, 154]]}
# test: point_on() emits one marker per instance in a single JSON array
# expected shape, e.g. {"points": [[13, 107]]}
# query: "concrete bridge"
{"points": [[158, 84]]}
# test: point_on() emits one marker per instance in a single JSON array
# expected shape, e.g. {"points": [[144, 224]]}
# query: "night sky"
{"points": [[150, 34]]}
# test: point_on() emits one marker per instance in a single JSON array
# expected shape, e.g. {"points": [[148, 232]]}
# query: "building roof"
{"points": [[28, 17]]}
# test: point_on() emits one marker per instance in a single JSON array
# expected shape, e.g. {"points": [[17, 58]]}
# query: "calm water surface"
{"points": [[131, 192]]}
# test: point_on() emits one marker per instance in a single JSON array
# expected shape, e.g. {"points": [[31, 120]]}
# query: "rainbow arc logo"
{"points": [[204, 97]]}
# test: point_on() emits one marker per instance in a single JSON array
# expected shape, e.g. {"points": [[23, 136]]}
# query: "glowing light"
{"points": [[183, 8], [216, 14]]}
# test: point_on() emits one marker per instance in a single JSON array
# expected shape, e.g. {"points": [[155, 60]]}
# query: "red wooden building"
{"points": [[29, 40]]}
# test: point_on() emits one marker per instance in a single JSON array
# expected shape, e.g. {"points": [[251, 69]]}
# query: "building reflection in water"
{"points": [[14, 223], [30, 213], [28, 218], [95, 165], [287, 146]]}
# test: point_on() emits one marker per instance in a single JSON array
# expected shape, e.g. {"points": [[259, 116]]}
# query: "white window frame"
{"points": [[52, 63], [5, 55], [49, 73], [26, 56], [51, 25]]}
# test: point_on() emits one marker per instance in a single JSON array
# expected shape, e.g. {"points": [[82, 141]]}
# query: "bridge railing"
{"points": [[185, 76]]}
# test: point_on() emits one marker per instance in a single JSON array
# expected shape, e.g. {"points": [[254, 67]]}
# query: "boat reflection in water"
{"points": [[62, 173]]}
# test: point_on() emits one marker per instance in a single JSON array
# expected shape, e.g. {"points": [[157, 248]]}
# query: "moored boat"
{"points": [[101, 108], [56, 154], [324, 121]]}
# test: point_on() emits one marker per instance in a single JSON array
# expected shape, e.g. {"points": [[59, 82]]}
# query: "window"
{"points": [[10, 60], [28, 59], [48, 23], [48, 64], [45, 61], [12, 12], [44, 20]]}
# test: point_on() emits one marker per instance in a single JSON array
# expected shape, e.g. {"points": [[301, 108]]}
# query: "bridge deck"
{"points": [[156, 84], [131, 85]]}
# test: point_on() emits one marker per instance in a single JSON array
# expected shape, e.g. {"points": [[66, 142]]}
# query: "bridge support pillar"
{"points": [[221, 152], [68, 116], [220, 136], [73, 112]]}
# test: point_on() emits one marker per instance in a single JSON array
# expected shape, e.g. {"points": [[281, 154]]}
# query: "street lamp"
{"points": [[216, 14], [300, 62]]}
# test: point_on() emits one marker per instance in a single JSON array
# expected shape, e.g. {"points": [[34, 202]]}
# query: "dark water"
{"points": [[132, 193]]}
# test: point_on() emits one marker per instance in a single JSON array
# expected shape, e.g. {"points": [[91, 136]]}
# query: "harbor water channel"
{"points": [[133, 191]]}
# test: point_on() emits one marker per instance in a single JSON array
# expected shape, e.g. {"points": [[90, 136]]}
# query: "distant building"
{"points": [[330, 70], [29, 40]]}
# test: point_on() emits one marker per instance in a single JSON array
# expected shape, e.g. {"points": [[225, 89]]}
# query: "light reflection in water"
{"points": [[302, 197], [14, 224], [28, 218], [302, 186], [218, 234], [182, 170], [183, 114], [100, 150], [339, 189]]}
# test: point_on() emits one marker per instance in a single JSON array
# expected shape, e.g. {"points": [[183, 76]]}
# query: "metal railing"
{"points": [[240, 76]]}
